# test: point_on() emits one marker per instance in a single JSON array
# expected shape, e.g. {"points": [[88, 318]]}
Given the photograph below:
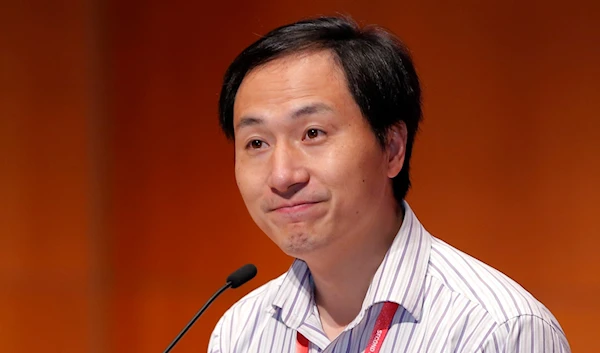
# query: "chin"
{"points": [[297, 244]]}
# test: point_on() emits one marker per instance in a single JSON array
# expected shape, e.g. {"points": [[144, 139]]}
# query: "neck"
{"points": [[342, 277]]}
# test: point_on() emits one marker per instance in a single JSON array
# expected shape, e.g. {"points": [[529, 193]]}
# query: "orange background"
{"points": [[119, 214]]}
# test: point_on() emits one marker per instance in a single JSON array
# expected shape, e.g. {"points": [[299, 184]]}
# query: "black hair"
{"points": [[377, 65]]}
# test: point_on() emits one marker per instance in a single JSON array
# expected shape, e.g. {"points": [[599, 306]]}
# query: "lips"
{"points": [[295, 206]]}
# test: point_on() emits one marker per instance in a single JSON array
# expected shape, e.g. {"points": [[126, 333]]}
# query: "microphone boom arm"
{"points": [[236, 279]]}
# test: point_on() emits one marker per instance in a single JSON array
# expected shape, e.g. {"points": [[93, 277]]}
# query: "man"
{"points": [[323, 115]]}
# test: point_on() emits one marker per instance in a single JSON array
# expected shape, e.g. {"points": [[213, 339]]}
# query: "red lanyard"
{"points": [[384, 320]]}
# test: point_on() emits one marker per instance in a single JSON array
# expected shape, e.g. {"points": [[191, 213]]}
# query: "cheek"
{"points": [[249, 183], [357, 172], [355, 160], [243, 184]]}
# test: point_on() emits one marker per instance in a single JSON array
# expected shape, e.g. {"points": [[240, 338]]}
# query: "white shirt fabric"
{"points": [[449, 302]]}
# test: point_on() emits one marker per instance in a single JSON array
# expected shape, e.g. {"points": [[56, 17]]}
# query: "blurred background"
{"points": [[119, 213]]}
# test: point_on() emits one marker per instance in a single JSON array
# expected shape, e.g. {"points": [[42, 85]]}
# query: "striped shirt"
{"points": [[448, 302]]}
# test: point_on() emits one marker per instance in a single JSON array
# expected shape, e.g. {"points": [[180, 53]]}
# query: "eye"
{"points": [[313, 133], [255, 144]]}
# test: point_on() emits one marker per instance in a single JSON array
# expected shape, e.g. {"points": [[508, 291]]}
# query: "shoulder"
{"points": [[254, 308], [510, 318], [526, 333], [501, 297]]}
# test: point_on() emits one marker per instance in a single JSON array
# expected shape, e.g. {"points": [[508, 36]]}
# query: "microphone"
{"points": [[236, 279]]}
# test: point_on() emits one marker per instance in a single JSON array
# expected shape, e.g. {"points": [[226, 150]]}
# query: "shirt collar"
{"points": [[295, 295], [400, 278]]}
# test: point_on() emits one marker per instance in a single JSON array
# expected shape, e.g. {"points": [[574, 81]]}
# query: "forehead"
{"points": [[290, 81]]}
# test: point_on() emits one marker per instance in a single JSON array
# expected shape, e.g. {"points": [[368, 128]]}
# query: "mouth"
{"points": [[295, 207]]}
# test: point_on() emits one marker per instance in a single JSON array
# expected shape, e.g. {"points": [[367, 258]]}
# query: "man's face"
{"points": [[309, 168]]}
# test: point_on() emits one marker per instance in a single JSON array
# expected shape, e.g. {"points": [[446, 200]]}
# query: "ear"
{"points": [[396, 148]]}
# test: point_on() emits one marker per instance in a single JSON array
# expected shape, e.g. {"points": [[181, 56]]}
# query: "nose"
{"points": [[288, 171]]}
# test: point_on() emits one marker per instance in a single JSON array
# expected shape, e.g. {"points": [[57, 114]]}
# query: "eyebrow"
{"points": [[303, 111]]}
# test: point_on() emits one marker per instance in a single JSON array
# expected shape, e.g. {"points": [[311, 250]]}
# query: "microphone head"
{"points": [[242, 275]]}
